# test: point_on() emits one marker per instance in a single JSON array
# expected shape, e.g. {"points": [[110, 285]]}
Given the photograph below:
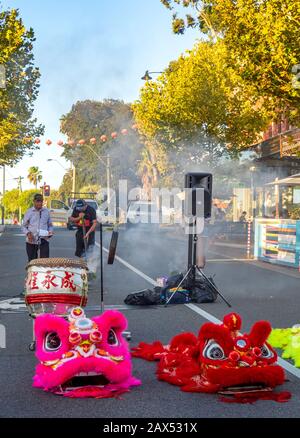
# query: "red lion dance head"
{"points": [[220, 360]]}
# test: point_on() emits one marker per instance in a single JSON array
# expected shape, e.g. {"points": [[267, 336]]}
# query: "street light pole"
{"points": [[108, 173], [74, 179], [74, 173], [3, 192], [147, 76], [19, 179], [253, 192], [108, 179]]}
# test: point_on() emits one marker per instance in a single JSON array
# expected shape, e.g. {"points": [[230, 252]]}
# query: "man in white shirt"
{"points": [[38, 228]]}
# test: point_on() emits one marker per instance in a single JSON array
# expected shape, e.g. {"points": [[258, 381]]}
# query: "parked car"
{"points": [[59, 212], [142, 212], [147, 212]]}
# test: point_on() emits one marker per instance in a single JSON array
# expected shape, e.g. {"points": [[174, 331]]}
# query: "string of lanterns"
{"points": [[82, 142]]}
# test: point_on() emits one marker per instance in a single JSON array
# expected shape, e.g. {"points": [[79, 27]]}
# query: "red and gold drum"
{"points": [[56, 285]]}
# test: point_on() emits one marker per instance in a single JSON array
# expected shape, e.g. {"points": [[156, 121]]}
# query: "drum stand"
{"points": [[32, 344], [85, 242], [111, 258]]}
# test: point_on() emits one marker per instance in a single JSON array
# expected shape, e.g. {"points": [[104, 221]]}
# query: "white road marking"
{"points": [[12, 304], [286, 365], [204, 314], [229, 260], [132, 268], [265, 265], [109, 307]]}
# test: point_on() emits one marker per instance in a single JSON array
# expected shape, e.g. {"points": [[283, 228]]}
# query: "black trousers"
{"points": [[80, 249], [32, 250]]}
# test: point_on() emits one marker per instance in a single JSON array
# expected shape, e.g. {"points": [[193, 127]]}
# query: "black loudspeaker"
{"points": [[200, 181]]}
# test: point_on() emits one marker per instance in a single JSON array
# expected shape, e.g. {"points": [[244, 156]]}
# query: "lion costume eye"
{"points": [[213, 351], [112, 338], [52, 342], [266, 353]]}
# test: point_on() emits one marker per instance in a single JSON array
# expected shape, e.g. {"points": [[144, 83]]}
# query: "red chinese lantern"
{"points": [[103, 138], [93, 140], [124, 131], [71, 143], [114, 135], [81, 142], [60, 143], [49, 142], [37, 141]]}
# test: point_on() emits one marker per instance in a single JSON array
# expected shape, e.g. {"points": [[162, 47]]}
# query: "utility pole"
{"points": [[74, 179], [19, 179], [108, 180], [107, 165], [3, 191]]}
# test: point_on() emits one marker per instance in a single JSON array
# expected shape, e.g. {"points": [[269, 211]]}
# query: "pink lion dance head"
{"points": [[83, 357]]}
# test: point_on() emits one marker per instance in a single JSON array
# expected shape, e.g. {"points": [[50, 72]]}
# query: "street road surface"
{"points": [[255, 290]]}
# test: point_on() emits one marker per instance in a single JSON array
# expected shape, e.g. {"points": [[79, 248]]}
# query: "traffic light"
{"points": [[46, 191]]}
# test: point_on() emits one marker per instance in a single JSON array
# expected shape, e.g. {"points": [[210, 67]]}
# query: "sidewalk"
{"points": [[238, 252]]}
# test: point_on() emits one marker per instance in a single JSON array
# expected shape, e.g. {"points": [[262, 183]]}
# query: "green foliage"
{"points": [[26, 199], [202, 102], [294, 213], [66, 187], [262, 40], [90, 188], [17, 126], [91, 119], [13, 199]]}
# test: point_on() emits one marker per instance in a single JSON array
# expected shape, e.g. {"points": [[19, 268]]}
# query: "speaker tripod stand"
{"points": [[196, 262]]}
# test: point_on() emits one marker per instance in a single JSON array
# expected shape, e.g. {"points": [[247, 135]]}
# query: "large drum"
{"points": [[55, 285]]}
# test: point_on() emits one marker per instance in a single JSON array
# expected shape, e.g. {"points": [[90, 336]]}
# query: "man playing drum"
{"points": [[84, 216], [38, 228]]}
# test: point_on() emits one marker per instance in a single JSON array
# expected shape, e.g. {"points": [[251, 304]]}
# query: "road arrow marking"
{"points": [[12, 304]]}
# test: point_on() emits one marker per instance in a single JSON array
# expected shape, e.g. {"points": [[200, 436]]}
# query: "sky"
{"points": [[90, 49]]}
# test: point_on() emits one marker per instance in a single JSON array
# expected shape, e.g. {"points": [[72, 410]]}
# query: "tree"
{"points": [[34, 175], [26, 200], [91, 119], [14, 199], [66, 186], [202, 102], [11, 202], [17, 126], [263, 44]]}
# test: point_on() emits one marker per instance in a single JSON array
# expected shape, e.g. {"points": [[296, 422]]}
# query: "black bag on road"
{"points": [[145, 297]]}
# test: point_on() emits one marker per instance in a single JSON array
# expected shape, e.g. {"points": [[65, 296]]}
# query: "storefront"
{"points": [[277, 241]]}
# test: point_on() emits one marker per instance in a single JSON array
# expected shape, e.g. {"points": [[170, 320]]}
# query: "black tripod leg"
{"points": [[213, 286], [173, 293]]}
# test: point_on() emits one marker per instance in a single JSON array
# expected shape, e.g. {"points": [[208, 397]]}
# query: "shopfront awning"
{"points": [[293, 180]]}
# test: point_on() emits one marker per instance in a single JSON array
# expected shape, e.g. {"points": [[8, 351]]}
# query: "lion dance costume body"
{"points": [[219, 360]]}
